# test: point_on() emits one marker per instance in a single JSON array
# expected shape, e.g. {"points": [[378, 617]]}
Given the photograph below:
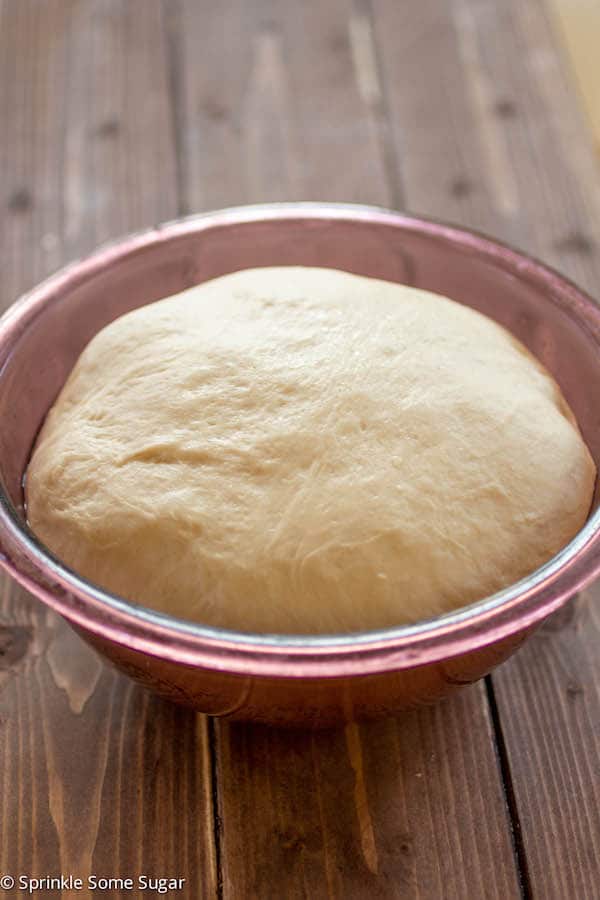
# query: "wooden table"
{"points": [[118, 114]]}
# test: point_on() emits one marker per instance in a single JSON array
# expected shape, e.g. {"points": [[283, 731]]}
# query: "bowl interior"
{"points": [[543, 311]]}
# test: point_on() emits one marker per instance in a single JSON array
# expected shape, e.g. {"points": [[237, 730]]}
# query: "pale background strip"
{"points": [[577, 23]]}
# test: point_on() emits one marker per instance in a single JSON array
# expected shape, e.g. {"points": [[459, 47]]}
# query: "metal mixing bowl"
{"points": [[270, 677]]}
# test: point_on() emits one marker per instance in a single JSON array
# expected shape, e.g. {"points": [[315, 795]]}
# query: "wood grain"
{"points": [[280, 105], [404, 808], [528, 175], [97, 776], [383, 810], [549, 704]]}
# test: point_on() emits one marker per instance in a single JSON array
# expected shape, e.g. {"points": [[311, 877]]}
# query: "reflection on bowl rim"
{"points": [[488, 620]]}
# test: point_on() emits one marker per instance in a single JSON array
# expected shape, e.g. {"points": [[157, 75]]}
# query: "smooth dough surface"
{"points": [[302, 450]]}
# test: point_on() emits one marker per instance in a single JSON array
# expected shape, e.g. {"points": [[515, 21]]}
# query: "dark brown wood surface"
{"points": [[506, 149], [117, 114], [96, 776]]}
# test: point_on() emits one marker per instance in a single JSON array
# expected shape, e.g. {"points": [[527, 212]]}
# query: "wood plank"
{"points": [[549, 704], [286, 102], [97, 776], [269, 113], [511, 114], [409, 808]]}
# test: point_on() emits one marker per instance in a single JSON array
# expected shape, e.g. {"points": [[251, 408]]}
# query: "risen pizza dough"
{"points": [[304, 450]]}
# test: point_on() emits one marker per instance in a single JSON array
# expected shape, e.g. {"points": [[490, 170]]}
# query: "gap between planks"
{"points": [[509, 793], [213, 749]]}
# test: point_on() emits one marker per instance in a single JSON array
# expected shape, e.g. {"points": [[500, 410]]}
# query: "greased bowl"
{"points": [[278, 678]]}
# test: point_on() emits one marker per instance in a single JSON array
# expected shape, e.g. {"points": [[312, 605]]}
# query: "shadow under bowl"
{"points": [[278, 678]]}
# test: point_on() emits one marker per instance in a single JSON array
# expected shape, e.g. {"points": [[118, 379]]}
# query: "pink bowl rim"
{"points": [[487, 621]]}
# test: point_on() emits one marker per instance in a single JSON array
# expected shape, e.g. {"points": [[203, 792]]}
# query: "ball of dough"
{"points": [[302, 450]]}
